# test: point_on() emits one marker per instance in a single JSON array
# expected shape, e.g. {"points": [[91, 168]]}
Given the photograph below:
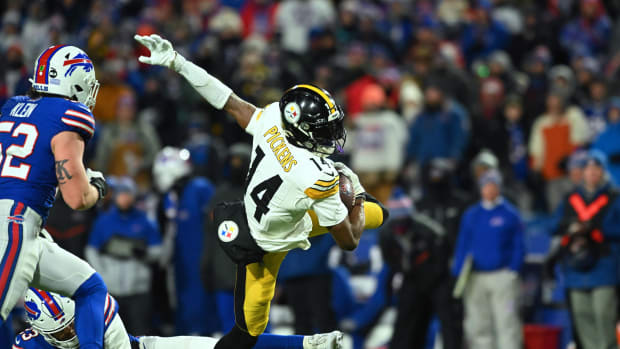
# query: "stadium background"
{"points": [[488, 67]]}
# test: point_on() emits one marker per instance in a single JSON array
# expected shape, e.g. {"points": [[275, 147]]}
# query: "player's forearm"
{"points": [[209, 87], [241, 110], [357, 219], [83, 198], [214, 91]]}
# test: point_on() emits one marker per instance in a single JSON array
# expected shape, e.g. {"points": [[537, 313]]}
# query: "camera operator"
{"points": [[590, 246]]}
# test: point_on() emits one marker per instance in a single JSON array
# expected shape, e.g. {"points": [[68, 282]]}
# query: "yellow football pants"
{"points": [[256, 282]]}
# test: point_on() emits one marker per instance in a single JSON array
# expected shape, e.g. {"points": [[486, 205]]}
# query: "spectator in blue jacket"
{"points": [[122, 244], [438, 132], [483, 35], [489, 255], [607, 142], [590, 32], [590, 230]]}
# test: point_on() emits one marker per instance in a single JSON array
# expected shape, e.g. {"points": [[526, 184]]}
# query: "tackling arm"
{"points": [[78, 193]]}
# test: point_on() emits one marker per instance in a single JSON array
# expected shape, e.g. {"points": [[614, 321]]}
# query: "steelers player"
{"points": [[289, 176]]}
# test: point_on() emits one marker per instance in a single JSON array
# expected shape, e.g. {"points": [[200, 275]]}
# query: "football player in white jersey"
{"points": [[289, 175]]}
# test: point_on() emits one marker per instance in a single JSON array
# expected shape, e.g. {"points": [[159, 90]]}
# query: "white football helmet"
{"points": [[171, 164], [66, 71], [51, 314]]}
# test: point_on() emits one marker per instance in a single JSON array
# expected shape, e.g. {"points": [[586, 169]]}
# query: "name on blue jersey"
{"points": [[22, 110]]}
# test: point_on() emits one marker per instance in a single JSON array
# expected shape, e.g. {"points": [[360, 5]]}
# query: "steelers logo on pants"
{"points": [[228, 231]]}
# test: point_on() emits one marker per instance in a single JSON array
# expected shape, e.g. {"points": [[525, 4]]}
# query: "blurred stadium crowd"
{"points": [[442, 98]]}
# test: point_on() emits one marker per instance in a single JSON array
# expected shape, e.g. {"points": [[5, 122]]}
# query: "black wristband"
{"points": [[386, 212], [100, 185]]}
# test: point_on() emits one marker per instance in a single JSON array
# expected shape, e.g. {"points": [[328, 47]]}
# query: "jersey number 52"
{"points": [[268, 187], [20, 170]]}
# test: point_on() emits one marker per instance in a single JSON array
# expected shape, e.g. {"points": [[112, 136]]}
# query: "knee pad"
{"points": [[236, 339]]}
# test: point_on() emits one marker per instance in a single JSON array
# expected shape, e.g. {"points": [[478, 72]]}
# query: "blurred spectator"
{"points": [[184, 201], [437, 132], [590, 229], [121, 245], [259, 18], [609, 140], [555, 135], [596, 106], [128, 146], [306, 275], [70, 228], [516, 139], [590, 32], [536, 67], [411, 100], [489, 255], [562, 82], [419, 248], [576, 163], [377, 149], [217, 269], [14, 79], [296, 18], [483, 34]]}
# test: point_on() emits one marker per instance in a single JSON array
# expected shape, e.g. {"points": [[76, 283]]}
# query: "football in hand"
{"points": [[347, 195]]}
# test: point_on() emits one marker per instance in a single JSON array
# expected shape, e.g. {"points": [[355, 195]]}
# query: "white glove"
{"points": [[94, 174], [357, 186], [96, 179], [162, 52]]}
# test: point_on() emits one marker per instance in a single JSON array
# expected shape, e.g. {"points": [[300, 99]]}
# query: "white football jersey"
{"points": [[285, 181]]}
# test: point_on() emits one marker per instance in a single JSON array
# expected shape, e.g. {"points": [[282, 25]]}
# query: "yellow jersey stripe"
{"points": [[319, 194], [321, 93], [259, 115], [321, 183]]}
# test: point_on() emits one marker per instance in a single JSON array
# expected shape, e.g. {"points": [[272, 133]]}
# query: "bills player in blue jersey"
{"points": [[52, 316], [42, 141]]}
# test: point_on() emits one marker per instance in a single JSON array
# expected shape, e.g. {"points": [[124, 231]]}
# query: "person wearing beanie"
{"points": [[590, 243], [122, 244], [489, 254]]}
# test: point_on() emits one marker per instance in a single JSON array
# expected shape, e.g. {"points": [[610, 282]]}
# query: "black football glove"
{"points": [[97, 180]]}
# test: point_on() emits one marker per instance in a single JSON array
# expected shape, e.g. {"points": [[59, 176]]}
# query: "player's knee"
{"points": [[236, 339], [93, 285]]}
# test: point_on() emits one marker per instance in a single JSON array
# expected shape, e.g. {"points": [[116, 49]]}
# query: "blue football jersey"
{"points": [[30, 339], [27, 126]]}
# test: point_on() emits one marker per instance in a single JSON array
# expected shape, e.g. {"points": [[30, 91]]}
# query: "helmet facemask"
{"points": [[321, 139], [88, 95], [63, 338]]}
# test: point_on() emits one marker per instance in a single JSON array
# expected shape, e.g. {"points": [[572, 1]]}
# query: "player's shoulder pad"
{"points": [[270, 111], [78, 117], [321, 179]]}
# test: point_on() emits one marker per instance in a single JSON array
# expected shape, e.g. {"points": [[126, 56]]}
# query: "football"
{"points": [[347, 196]]}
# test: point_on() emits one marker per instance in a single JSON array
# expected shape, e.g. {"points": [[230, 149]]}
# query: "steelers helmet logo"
{"points": [[228, 231], [292, 112]]}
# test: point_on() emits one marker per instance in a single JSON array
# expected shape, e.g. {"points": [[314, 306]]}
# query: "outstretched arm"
{"points": [[210, 88]]}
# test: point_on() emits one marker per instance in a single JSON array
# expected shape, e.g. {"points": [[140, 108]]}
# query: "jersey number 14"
{"points": [[268, 187], [23, 151]]}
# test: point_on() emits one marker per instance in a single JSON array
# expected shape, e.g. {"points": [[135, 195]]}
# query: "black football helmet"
{"points": [[312, 119]]}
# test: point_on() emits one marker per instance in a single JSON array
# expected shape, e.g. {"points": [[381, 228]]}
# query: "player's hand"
{"points": [[161, 49], [97, 180], [357, 186]]}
